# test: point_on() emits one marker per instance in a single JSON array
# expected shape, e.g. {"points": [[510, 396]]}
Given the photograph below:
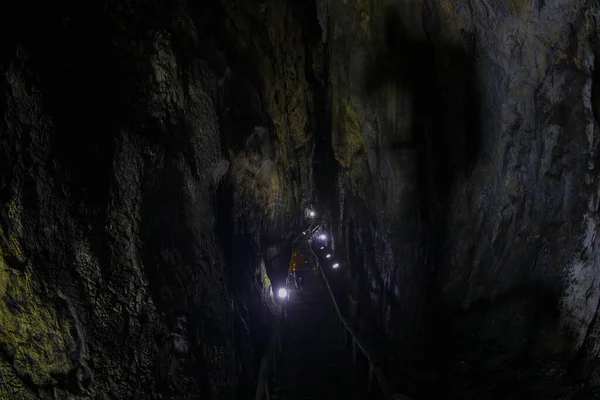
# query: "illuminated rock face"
{"points": [[467, 201], [156, 159]]}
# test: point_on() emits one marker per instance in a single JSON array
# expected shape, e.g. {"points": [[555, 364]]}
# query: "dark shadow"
{"points": [[84, 81], [441, 81], [228, 55], [542, 300], [241, 109], [442, 84], [324, 165], [596, 80], [509, 330]]}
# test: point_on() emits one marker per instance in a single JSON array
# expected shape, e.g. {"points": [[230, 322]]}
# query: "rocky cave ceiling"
{"points": [[156, 157]]}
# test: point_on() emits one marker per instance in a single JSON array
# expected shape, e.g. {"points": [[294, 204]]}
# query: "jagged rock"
{"points": [[475, 218], [156, 159], [113, 176]]}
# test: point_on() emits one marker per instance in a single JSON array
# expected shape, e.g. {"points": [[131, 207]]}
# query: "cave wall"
{"points": [[156, 157], [467, 196], [149, 182]]}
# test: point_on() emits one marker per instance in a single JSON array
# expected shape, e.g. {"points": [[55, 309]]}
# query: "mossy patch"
{"points": [[37, 341], [446, 9], [266, 282], [362, 10], [297, 121], [518, 6], [450, 28], [15, 210], [365, 21], [512, 187], [348, 141]]}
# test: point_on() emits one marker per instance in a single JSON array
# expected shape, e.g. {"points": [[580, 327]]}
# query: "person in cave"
{"points": [[299, 277], [297, 265]]}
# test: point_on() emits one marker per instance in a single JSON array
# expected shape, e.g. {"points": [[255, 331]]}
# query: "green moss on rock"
{"points": [[363, 19], [37, 341], [12, 387], [348, 141]]}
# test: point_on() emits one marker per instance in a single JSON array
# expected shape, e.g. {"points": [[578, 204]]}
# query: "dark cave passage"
{"points": [[159, 160]]}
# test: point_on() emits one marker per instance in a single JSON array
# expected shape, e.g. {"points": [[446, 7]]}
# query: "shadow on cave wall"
{"points": [[324, 165], [502, 357], [478, 352], [82, 77], [441, 81]]}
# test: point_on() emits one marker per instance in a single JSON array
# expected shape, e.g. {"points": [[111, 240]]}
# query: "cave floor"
{"points": [[314, 362]]}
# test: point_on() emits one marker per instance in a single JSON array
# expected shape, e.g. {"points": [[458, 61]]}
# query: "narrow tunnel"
{"points": [[363, 199]]}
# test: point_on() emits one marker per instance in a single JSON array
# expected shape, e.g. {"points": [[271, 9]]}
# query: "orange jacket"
{"points": [[298, 261]]}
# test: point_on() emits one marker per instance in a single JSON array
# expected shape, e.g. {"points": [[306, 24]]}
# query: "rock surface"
{"points": [[155, 159], [142, 190], [468, 190]]}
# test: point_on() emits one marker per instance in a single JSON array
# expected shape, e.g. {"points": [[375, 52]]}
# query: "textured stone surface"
{"points": [[471, 227], [139, 183], [155, 158]]}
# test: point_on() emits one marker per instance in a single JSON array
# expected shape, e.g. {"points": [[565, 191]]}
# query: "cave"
{"points": [[159, 161]]}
